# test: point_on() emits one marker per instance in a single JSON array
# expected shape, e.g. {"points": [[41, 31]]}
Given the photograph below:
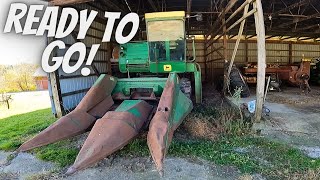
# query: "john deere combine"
{"points": [[117, 109]]}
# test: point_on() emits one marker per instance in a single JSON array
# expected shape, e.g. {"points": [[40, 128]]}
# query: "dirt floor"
{"points": [[26, 166], [294, 118]]}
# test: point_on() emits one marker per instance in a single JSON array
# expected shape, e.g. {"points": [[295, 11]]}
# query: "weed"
{"points": [[271, 159], [209, 121]]}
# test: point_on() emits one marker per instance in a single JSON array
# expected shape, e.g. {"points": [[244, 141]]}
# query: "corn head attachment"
{"points": [[173, 107], [113, 131], [93, 106], [117, 109]]}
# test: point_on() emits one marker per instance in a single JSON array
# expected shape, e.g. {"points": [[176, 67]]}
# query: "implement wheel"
{"points": [[185, 87], [237, 80]]}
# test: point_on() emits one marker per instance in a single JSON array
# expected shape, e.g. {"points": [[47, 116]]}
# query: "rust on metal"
{"points": [[136, 96], [93, 106], [74, 123], [112, 132], [295, 75], [159, 128], [173, 107]]}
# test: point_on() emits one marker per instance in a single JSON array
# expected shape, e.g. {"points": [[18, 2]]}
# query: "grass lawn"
{"points": [[19, 128], [248, 153]]}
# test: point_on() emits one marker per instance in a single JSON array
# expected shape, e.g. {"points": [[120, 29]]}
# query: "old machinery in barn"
{"points": [[315, 71], [296, 75], [154, 96]]}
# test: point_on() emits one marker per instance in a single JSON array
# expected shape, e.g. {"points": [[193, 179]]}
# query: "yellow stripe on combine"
{"points": [[165, 14]]}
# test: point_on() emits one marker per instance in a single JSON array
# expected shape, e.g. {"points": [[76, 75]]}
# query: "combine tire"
{"points": [[185, 87], [237, 80]]}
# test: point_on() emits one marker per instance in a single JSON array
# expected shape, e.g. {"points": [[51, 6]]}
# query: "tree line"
{"points": [[15, 78]]}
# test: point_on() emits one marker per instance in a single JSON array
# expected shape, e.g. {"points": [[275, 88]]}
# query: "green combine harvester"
{"points": [[153, 98]]}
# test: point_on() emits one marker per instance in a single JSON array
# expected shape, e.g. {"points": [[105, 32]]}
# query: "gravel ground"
{"points": [[26, 166], [22, 166]]}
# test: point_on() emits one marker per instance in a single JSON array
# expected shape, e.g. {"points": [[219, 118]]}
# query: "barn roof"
{"points": [[293, 18]]}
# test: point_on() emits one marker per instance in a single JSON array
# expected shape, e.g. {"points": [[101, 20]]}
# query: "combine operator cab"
{"points": [[166, 41]]}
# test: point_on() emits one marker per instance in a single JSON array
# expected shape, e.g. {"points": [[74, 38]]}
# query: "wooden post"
{"points": [[56, 93], [205, 60], [260, 30], [109, 56], [55, 85], [225, 81], [246, 50], [290, 52]]}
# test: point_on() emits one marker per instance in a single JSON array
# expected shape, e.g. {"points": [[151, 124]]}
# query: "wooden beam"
{"points": [[251, 36], [276, 42], [67, 2], [251, 12], [235, 50], [307, 27], [299, 20], [113, 5], [261, 50], [271, 36], [286, 38], [301, 3], [219, 19], [307, 38], [154, 7]]}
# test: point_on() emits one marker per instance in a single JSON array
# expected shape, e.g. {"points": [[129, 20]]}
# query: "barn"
{"points": [[41, 79], [245, 32], [205, 76]]}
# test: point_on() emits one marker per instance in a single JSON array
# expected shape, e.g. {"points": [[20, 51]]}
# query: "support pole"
{"points": [[55, 85], [290, 52], [225, 84], [261, 48]]}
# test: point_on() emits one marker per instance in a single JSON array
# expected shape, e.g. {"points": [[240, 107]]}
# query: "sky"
{"points": [[16, 48]]}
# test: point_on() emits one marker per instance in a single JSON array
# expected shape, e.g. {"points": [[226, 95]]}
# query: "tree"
{"points": [[17, 77]]}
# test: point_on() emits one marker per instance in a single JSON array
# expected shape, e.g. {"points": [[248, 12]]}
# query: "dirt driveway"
{"points": [[24, 102]]}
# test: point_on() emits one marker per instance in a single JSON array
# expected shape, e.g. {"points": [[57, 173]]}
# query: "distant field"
{"points": [[24, 102]]}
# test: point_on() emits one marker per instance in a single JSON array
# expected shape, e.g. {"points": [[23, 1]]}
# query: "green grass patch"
{"points": [[60, 153], [19, 128], [271, 159]]}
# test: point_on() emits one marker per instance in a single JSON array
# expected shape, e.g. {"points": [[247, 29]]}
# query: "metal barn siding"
{"points": [[200, 55], [309, 51], [74, 86], [276, 53]]}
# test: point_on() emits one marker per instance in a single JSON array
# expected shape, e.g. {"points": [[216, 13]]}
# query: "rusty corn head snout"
{"points": [[112, 132]]}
